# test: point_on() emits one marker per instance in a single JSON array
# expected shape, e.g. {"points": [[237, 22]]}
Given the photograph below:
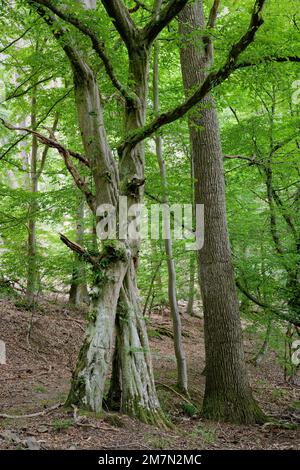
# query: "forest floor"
{"points": [[41, 350]]}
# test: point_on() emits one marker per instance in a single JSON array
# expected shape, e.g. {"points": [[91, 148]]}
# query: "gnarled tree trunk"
{"points": [[115, 299]]}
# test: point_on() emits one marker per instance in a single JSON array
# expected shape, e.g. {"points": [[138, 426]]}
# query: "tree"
{"points": [[182, 377], [115, 308], [228, 394]]}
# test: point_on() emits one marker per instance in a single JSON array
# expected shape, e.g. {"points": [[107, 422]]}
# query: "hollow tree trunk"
{"points": [[228, 395]]}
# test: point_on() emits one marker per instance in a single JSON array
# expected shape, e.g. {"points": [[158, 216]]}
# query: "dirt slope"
{"points": [[41, 351]]}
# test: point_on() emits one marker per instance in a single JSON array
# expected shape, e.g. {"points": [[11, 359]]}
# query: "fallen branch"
{"points": [[33, 415], [80, 421], [160, 384]]}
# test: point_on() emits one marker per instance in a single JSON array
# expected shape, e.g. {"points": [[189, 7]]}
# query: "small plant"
{"points": [[189, 409], [295, 405], [40, 389], [160, 443], [62, 424], [208, 435], [278, 393], [114, 420], [152, 333]]}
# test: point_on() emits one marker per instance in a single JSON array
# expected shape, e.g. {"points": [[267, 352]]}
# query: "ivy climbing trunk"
{"points": [[228, 395]]}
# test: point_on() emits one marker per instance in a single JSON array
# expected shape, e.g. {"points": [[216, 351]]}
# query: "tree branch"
{"points": [[15, 40], [213, 14], [213, 79], [80, 183], [46, 148], [122, 20], [280, 59], [14, 144], [251, 160], [79, 250], [22, 93], [284, 316], [159, 22], [97, 44], [137, 6], [207, 40]]}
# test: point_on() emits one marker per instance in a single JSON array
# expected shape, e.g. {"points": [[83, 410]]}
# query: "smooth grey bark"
{"points": [[264, 347], [228, 395], [115, 295], [78, 291], [191, 293], [32, 274], [182, 376]]}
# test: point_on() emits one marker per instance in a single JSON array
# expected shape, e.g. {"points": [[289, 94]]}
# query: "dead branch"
{"points": [[81, 421], [33, 415], [82, 252], [160, 384]]}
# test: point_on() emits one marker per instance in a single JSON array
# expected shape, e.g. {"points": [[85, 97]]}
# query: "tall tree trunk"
{"points": [[192, 271], [115, 292], [182, 376], [139, 396], [32, 274], [191, 294], [228, 395], [78, 291]]}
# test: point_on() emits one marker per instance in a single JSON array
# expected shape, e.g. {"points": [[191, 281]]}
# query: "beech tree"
{"points": [[115, 318]]}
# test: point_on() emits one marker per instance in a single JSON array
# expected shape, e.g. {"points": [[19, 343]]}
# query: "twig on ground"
{"points": [[33, 415], [160, 384], [78, 420]]}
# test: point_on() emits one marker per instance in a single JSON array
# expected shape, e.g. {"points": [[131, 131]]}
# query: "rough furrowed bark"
{"points": [[228, 396]]}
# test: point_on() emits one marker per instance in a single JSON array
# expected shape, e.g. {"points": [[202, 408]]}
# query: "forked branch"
{"points": [[97, 43], [213, 79], [66, 154]]}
